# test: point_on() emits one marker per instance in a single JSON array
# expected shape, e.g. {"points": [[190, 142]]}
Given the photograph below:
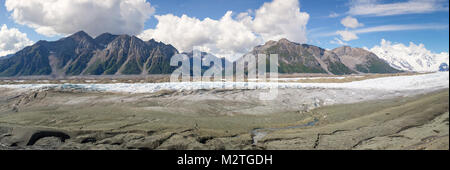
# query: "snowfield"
{"points": [[410, 58], [432, 81]]}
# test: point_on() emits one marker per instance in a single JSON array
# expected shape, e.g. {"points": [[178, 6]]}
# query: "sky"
{"points": [[231, 27]]}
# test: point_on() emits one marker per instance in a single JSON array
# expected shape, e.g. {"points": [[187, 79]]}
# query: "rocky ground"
{"points": [[316, 118]]}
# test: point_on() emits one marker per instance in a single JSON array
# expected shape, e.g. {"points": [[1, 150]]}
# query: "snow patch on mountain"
{"points": [[414, 57]]}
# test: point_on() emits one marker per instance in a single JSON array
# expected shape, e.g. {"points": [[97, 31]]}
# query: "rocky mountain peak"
{"points": [[79, 40], [343, 49], [285, 41], [80, 54], [81, 35], [363, 61], [105, 38], [153, 41], [350, 51]]}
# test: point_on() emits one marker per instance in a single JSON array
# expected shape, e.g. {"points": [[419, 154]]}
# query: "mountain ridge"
{"points": [[414, 58], [80, 54], [295, 57], [362, 61], [109, 54]]}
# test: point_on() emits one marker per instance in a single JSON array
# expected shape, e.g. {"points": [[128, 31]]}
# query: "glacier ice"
{"points": [[437, 80]]}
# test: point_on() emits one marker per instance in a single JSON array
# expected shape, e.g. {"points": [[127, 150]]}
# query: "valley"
{"points": [[412, 114], [114, 92]]}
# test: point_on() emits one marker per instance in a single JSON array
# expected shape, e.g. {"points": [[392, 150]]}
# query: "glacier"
{"points": [[439, 80]]}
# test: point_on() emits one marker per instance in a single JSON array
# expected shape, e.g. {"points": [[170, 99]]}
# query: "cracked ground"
{"points": [[224, 119]]}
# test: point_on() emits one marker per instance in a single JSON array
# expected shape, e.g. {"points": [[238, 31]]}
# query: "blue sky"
{"points": [[321, 28]]}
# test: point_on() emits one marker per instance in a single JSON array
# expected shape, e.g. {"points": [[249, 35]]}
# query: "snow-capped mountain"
{"points": [[410, 58]]}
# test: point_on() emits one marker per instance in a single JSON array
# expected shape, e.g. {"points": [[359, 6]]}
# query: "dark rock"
{"points": [[80, 54]]}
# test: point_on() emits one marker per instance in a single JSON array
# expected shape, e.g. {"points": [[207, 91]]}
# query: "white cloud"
{"points": [[375, 8], [338, 41], [347, 35], [333, 15], [233, 36], [12, 40], [406, 27], [62, 17], [281, 19], [220, 37], [410, 58], [351, 22], [353, 34]]}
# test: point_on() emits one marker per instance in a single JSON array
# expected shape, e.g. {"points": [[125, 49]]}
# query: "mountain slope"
{"points": [[32, 60], [80, 54], [108, 54], [303, 58], [224, 62], [414, 58], [363, 61]]}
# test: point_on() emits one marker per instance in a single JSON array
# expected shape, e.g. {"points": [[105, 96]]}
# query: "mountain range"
{"points": [[108, 54], [80, 54], [304, 58], [414, 58]]}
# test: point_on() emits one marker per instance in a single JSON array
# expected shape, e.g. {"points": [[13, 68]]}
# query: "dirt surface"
{"points": [[223, 119]]}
